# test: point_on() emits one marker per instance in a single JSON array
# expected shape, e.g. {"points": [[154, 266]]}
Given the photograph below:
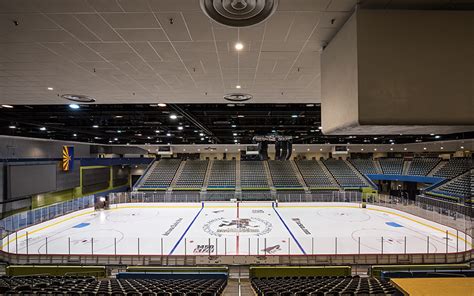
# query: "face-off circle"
{"points": [[242, 226]]}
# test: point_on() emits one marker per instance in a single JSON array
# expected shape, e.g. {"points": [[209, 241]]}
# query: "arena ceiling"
{"points": [[150, 51], [154, 124]]}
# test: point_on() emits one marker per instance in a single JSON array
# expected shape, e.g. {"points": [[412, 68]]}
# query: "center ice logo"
{"points": [[243, 226]]}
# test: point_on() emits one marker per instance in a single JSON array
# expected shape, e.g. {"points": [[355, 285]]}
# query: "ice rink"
{"points": [[237, 229]]}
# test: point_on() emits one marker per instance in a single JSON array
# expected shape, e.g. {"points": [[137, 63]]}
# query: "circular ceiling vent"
{"points": [[239, 13], [78, 98], [238, 97]]}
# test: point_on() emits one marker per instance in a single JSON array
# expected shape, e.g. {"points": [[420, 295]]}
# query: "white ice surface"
{"points": [[225, 229]]}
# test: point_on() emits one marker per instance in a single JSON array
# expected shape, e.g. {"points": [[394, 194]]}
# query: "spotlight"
{"points": [[7, 106], [74, 106], [161, 105], [50, 88], [180, 128], [95, 126], [12, 126], [42, 128], [173, 116]]}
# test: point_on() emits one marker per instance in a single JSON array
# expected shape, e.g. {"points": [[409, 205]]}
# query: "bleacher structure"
{"points": [[322, 285], [422, 166], [315, 177], [192, 175], [391, 166], [253, 176], [222, 176], [459, 187], [161, 175], [453, 168], [365, 166], [344, 175], [73, 285], [283, 175]]}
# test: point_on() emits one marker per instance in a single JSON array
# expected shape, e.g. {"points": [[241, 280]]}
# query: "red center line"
{"points": [[238, 230]]}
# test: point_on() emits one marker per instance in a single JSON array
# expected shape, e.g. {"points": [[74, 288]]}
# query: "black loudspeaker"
{"points": [[277, 150], [289, 149], [263, 150], [284, 149]]}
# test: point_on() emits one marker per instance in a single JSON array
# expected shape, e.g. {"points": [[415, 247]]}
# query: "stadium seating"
{"points": [[454, 167], [460, 187], [322, 285], [162, 174], [53, 285], [253, 176], [192, 176], [222, 175], [283, 175], [422, 166], [391, 166], [343, 174], [365, 166], [315, 176]]}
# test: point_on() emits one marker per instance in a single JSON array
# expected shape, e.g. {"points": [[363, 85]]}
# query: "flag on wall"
{"points": [[68, 158]]}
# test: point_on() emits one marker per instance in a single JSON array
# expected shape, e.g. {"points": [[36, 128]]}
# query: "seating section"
{"points": [[322, 285], [162, 174], [365, 166], [55, 285], [193, 174], [315, 176], [460, 187], [222, 175], [422, 166], [391, 166], [454, 167], [253, 176], [343, 174], [283, 175]]}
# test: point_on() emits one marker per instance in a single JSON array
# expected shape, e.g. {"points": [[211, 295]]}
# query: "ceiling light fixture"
{"points": [[42, 128], [180, 128], [437, 137], [95, 126], [239, 46], [294, 116], [74, 106], [50, 88], [173, 116], [12, 126], [161, 105], [168, 135], [238, 86], [74, 135], [7, 106]]}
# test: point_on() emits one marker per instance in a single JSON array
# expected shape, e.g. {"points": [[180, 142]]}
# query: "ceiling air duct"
{"points": [[239, 13]]}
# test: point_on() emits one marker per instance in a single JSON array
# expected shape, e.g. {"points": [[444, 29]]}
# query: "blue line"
{"points": [[287, 228], [189, 226]]}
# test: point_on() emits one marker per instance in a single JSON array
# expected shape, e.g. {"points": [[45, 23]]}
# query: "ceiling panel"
{"points": [[112, 49]]}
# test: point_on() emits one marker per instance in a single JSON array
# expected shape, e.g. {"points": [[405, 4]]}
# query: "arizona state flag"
{"points": [[68, 158]]}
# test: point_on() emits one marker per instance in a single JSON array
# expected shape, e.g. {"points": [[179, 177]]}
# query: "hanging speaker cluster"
{"points": [[283, 150], [239, 13]]}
